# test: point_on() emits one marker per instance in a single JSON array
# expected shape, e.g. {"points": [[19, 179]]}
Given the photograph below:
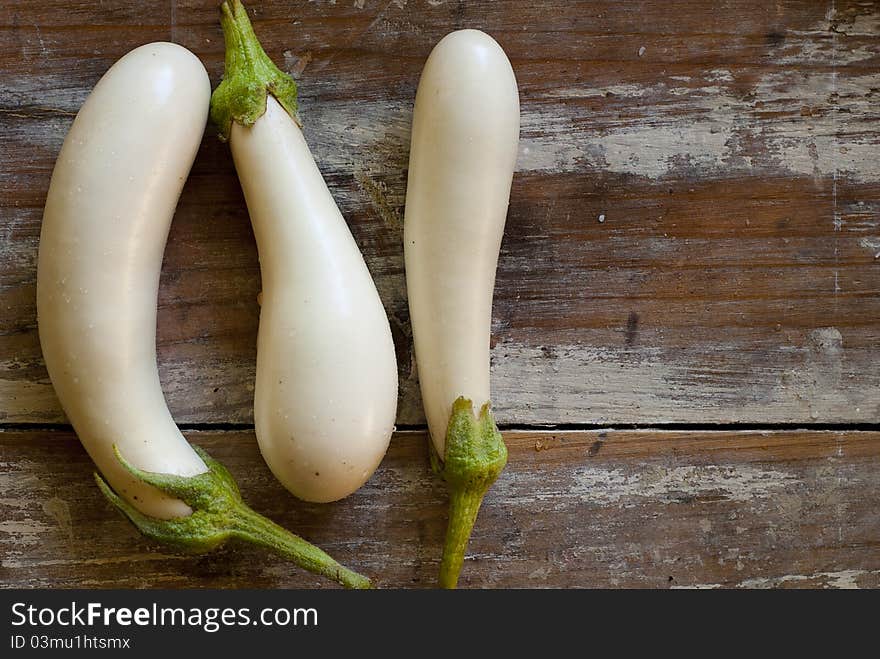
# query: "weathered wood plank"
{"points": [[733, 156], [573, 509]]}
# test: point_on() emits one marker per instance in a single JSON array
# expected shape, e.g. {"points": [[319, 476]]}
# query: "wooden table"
{"points": [[686, 332]]}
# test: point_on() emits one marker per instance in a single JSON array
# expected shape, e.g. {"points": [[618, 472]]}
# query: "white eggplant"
{"points": [[326, 387], [462, 157], [109, 208]]}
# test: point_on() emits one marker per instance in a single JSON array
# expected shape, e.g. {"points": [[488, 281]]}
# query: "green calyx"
{"points": [[475, 455], [249, 75], [219, 514]]}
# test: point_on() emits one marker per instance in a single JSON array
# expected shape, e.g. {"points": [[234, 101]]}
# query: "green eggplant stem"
{"points": [[475, 455], [249, 75], [218, 515], [254, 528], [463, 509]]}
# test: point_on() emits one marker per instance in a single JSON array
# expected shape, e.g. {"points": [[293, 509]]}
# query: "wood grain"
{"points": [[573, 509], [732, 156]]}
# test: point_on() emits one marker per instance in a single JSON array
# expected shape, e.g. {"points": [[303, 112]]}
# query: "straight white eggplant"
{"points": [[464, 144], [111, 200], [326, 387]]}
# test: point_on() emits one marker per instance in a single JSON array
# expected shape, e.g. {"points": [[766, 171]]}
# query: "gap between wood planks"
{"points": [[537, 428]]}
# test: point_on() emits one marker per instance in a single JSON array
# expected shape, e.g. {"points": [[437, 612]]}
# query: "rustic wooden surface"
{"points": [[603, 508], [693, 242]]}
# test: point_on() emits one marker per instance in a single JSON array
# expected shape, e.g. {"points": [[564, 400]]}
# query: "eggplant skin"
{"points": [[464, 145], [111, 200]]}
